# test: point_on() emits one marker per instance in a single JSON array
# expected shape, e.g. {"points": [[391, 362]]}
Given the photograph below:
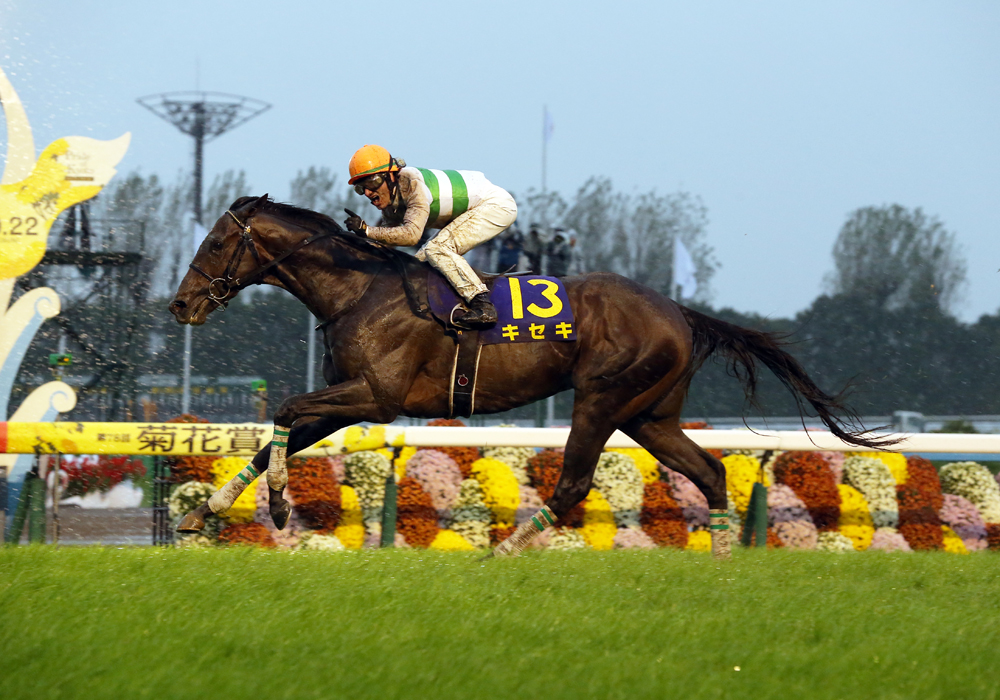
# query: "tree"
{"points": [[634, 235], [317, 189], [897, 258]]}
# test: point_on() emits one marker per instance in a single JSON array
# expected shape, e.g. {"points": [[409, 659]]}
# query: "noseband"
{"points": [[220, 288]]}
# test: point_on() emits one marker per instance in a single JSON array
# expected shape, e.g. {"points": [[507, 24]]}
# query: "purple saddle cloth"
{"points": [[530, 308]]}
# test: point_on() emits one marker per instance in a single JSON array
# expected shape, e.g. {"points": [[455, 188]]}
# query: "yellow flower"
{"points": [[351, 530], [400, 462], [952, 542], [741, 473], [599, 528], [647, 464], [699, 541], [895, 462], [501, 492], [224, 470], [451, 541], [855, 518], [358, 438]]}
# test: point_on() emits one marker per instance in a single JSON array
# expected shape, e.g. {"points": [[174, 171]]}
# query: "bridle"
{"points": [[220, 288]]}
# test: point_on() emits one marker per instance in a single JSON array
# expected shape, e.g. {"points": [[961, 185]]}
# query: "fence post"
{"points": [[389, 504], [755, 522], [21, 512], [3, 502], [163, 534], [36, 511]]}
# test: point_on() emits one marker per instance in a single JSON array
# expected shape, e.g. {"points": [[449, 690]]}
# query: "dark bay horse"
{"points": [[630, 367]]}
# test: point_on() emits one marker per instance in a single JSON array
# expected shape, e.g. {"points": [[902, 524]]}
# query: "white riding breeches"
{"points": [[493, 214]]}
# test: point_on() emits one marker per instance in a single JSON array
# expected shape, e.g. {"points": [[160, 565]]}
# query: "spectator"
{"points": [[510, 250], [575, 260], [533, 249], [558, 255]]}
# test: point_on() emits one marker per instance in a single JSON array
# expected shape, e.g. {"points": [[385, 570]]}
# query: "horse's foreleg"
{"points": [[339, 405], [667, 442], [223, 499]]}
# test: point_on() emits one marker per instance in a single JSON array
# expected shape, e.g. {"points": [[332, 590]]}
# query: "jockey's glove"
{"points": [[355, 224]]}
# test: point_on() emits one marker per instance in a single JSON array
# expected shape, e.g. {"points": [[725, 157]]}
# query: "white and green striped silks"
{"points": [[452, 193]]}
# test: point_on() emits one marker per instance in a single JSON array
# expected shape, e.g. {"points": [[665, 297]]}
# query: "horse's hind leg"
{"points": [[667, 442], [223, 499], [591, 430]]}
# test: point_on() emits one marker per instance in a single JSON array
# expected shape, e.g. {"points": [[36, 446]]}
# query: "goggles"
{"points": [[370, 183]]}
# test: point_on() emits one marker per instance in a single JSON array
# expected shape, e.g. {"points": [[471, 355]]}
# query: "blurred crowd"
{"points": [[542, 251]]}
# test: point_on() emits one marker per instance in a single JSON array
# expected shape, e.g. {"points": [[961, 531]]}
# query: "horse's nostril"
{"points": [[177, 305]]}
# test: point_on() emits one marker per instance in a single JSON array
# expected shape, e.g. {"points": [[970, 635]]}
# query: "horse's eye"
{"points": [[216, 246]]}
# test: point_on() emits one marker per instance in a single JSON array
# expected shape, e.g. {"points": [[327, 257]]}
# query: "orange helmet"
{"points": [[369, 160]]}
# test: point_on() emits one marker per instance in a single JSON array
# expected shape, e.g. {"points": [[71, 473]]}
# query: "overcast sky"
{"points": [[782, 117]]}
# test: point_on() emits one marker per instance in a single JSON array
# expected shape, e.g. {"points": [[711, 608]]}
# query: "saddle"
{"points": [[530, 308]]}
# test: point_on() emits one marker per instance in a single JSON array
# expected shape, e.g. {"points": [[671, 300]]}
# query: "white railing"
{"points": [[174, 439]]}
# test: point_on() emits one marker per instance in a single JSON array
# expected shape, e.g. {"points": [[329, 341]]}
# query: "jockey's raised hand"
{"points": [[355, 223], [466, 207]]}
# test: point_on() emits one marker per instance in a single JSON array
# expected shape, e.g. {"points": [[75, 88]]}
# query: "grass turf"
{"points": [[242, 623]]}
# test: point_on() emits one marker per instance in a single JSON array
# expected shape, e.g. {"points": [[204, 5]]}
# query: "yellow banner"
{"points": [[173, 439]]}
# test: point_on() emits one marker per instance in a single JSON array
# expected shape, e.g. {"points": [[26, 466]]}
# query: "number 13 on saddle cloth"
{"points": [[530, 308]]}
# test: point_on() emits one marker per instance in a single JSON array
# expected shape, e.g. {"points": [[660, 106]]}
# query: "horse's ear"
{"points": [[256, 206]]}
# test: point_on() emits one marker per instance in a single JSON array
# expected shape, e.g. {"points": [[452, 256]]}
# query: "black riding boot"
{"points": [[480, 314]]}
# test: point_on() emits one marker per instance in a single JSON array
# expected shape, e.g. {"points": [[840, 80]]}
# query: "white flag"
{"points": [[684, 271], [199, 233]]}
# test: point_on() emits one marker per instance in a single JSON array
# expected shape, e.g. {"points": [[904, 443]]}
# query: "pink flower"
{"points": [[691, 500]]}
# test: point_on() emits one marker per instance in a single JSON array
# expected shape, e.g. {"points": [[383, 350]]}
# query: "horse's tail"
{"points": [[743, 348]]}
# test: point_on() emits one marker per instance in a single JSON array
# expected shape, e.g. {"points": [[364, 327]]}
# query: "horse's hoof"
{"points": [[195, 520], [280, 509]]}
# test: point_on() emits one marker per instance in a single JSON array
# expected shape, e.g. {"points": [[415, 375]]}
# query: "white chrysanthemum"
{"points": [[974, 482], [620, 482], [834, 542], [189, 496], [470, 517], [873, 479], [321, 543], [567, 538], [366, 472]]}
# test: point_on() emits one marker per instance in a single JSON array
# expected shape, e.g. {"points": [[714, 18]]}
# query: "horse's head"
{"points": [[226, 256]]}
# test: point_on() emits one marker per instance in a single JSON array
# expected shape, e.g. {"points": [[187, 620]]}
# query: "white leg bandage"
{"points": [[719, 527], [277, 472], [223, 499], [517, 542]]}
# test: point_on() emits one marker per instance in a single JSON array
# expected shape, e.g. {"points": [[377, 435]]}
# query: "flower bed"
{"points": [[621, 483], [416, 517], [598, 529], [885, 502], [872, 478], [855, 519], [315, 492], [811, 478], [661, 517], [100, 473]]}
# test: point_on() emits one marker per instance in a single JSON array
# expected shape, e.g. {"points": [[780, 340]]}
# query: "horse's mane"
{"points": [[321, 223]]}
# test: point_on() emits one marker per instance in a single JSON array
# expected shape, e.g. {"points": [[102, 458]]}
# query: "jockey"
{"points": [[467, 207]]}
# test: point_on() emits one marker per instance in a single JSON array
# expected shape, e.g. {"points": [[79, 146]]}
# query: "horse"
{"points": [[630, 366]]}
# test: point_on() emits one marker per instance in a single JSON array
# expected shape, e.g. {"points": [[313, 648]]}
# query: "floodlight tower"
{"points": [[204, 116]]}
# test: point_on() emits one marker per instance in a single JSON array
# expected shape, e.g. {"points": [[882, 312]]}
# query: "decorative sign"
{"points": [[175, 439]]}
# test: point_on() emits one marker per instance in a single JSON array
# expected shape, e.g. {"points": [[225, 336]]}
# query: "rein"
{"points": [[220, 288]]}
